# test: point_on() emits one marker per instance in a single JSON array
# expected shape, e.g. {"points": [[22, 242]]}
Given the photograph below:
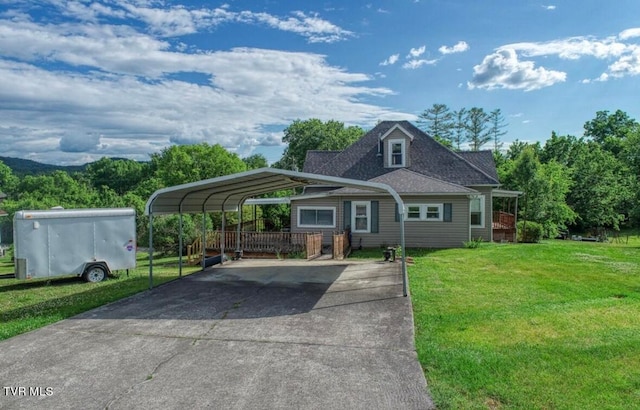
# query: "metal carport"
{"points": [[229, 192]]}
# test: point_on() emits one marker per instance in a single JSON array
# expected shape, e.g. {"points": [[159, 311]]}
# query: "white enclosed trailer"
{"points": [[87, 242]]}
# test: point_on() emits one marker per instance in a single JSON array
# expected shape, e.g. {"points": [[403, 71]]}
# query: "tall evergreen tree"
{"points": [[437, 121], [497, 124], [477, 121], [459, 127]]}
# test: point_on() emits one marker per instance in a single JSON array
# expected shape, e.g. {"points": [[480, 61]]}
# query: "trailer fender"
{"points": [[95, 271]]}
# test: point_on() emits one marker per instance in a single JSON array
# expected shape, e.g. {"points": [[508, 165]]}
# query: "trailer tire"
{"points": [[95, 273]]}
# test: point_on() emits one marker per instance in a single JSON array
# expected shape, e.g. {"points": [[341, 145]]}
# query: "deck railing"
{"points": [[341, 245], [503, 220], [278, 243]]}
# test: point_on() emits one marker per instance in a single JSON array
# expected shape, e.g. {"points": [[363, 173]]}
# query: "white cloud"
{"points": [[391, 60], [627, 65], [572, 48], [549, 7], [459, 47], [130, 104], [181, 20], [414, 64], [416, 52], [503, 69], [629, 33]]}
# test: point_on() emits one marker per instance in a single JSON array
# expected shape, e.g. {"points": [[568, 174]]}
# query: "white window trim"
{"points": [[354, 204], [317, 208], [403, 145], [482, 211], [406, 212], [440, 217], [423, 212]]}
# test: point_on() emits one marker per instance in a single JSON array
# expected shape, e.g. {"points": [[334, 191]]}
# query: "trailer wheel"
{"points": [[95, 273]]}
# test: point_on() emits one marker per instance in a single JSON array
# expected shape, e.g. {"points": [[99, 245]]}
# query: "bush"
{"points": [[473, 243], [529, 232]]}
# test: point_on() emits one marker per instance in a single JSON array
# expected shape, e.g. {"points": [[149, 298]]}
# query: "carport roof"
{"points": [[230, 191]]}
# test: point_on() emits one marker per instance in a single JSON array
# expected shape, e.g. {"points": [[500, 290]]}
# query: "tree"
{"points": [[496, 128], [47, 191], [180, 164], [438, 122], [555, 184], [477, 128], [610, 130], [459, 127], [313, 134], [631, 155], [8, 181], [524, 178], [562, 149], [602, 189], [120, 175], [255, 161]]}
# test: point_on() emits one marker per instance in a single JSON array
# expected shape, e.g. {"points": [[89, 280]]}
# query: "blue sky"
{"points": [[80, 80]]}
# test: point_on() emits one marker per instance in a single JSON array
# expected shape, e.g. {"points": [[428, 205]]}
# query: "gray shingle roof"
{"points": [[316, 159], [427, 157], [404, 181], [483, 160]]}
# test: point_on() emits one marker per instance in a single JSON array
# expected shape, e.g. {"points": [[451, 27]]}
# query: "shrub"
{"points": [[473, 243], [529, 232]]}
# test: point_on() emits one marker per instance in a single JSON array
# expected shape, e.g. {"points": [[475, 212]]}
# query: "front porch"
{"points": [[247, 244]]}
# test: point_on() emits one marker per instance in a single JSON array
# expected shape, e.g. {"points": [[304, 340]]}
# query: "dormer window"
{"points": [[397, 153]]}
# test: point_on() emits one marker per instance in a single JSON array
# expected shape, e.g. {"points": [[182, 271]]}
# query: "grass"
{"points": [[532, 326], [554, 325], [28, 305]]}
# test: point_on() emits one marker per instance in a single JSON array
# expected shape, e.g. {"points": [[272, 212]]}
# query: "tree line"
{"points": [[112, 183], [472, 127], [585, 183]]}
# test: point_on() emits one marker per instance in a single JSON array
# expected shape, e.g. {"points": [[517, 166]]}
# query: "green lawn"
{"points": [[28, 305], [554, 325]]}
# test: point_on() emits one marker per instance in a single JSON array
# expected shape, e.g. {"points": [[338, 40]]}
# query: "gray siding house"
{"points": [[448, 195]]}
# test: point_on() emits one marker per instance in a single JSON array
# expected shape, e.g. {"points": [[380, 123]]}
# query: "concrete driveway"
{"points": [[249, 335]]}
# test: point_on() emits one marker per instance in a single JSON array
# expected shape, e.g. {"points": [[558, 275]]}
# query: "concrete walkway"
{"points": [[249, 335]]}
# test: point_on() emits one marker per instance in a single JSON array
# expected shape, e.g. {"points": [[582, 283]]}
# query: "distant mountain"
{"points": [[21, 167]]}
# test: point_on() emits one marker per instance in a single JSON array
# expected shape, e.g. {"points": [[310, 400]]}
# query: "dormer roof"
{"points": [[397, 126]]}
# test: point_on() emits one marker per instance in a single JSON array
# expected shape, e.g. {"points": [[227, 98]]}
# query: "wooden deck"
{"points": [[504, 227], [274, 243]]}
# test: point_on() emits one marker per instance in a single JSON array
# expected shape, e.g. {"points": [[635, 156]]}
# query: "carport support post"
{"points": [[150, 250], [222, 240], [204, 236], [404, 254], [239, 230], [180, 245]]}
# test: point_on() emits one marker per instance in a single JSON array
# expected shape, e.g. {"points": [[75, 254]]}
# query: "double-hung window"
{"points": [[317, 217], [476, 206], [361, 216], [424, 212], [414, 212], [397, 157]]}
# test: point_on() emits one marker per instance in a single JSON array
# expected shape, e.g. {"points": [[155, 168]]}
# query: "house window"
{"points": [[476, 206], [361, 216], [424, 212], [433, 212], [316, 217], [396, 153], [413, 212]]}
